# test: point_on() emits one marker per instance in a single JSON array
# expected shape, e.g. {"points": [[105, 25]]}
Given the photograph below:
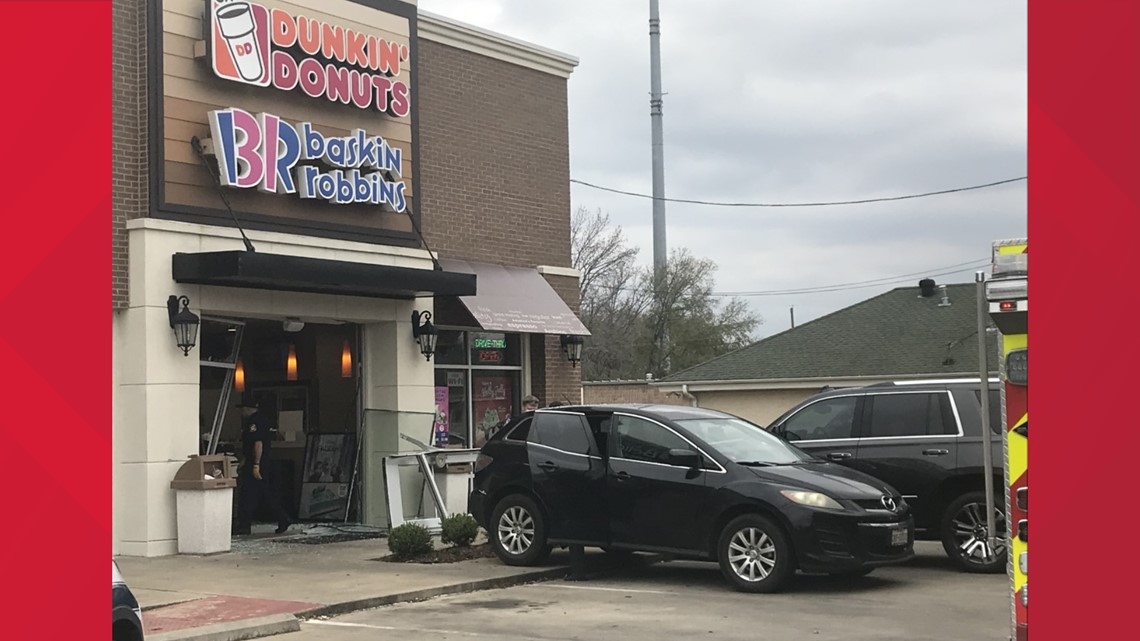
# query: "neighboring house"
{"points": [[898, 335]]}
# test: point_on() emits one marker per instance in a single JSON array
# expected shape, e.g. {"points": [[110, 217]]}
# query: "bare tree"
{"points": [[611, 302], [628, 322], [600, 253]]}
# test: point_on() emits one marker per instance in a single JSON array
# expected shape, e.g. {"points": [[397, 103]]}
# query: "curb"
{"points": [[347, 607], [233, 630], [283, 623], [595, 568]]}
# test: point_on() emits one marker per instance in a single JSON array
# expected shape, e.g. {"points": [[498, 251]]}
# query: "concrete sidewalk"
{"points": [[264, 583]]}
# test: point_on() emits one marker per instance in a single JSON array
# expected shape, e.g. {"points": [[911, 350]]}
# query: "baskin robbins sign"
{"points": [[277, 157], [255, 45]]}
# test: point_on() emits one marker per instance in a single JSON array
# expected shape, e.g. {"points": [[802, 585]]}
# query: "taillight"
{"points": [[482, 461]]}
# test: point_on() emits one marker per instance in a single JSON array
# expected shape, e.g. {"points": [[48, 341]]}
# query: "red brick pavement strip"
{"points": [[217, 609]]}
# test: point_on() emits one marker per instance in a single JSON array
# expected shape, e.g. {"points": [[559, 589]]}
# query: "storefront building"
{"points": [[304, 176]]}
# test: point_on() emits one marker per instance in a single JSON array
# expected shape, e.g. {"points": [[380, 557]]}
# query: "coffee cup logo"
{"points": [[238, 29]]}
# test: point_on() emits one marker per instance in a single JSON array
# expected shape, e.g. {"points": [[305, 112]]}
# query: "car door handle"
{"points": [[548, 466], [839, 456], [935, 452], [622, 476]]}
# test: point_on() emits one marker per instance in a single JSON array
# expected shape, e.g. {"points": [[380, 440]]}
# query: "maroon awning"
{"points": [[515, 299]]}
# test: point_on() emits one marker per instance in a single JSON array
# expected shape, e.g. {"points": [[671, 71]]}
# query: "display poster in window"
{"points": [[455, 379], [327, 474], [491, 398], [441, 428]]}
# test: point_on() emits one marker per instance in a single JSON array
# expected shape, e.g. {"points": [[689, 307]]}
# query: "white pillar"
{"points": [[399, 398], [155, 404]]}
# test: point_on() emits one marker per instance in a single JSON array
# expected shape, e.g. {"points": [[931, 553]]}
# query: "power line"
{"points": [[805, 204], [945, 270], [936, 271], [796, 292]]}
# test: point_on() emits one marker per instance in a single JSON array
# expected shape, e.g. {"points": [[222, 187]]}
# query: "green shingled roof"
{"points": [[895, 334]]}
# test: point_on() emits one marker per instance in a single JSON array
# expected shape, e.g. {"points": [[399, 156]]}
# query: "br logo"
{"points": [[240, 44]]}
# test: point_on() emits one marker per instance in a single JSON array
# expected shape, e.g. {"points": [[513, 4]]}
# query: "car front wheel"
{"points": [[755, 555], [518, 531], [964, 534]]}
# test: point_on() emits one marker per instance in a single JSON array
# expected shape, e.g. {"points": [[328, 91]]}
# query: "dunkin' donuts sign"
{"points": [[255, 45]]}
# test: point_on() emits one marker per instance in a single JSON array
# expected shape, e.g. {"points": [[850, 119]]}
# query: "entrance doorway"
{"points": [[305, 378]]}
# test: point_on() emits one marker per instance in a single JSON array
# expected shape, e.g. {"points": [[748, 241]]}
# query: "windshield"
{"points": [[743, 442]]}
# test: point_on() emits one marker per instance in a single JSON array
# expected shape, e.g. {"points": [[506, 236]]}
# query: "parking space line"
{"points": [[588, 587], [390, 628]]}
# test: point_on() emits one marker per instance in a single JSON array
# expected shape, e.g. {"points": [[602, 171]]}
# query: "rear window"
{"points": [[566, 432], [995, 408], [899, 415], [520, 431]]}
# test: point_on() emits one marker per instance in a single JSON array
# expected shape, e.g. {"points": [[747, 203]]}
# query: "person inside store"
{"points": [[255, 485]]}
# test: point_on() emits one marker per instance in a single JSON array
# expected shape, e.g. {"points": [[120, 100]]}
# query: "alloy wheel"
{"points": [[752, 554], [516, 530], [971, 536]]}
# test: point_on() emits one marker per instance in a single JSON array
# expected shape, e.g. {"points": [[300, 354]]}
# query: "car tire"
{"points": [[963, 530], [518, 531], [755, 555]]}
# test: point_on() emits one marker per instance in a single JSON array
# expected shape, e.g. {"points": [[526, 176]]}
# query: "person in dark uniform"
{"points": [[254, 483]]}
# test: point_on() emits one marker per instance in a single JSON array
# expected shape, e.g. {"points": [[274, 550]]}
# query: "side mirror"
{"points": [[684, 458]]}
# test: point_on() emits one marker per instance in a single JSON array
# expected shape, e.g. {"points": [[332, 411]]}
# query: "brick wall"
{"points": [[494, 159], [495, 177], [629, 392], [553, 378], [128, 134]]}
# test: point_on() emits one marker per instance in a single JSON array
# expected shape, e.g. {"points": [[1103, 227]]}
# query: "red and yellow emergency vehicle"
{"points": [[1007, 294]]}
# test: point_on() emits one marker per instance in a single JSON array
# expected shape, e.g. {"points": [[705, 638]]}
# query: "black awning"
{"points": [[316, 275]]}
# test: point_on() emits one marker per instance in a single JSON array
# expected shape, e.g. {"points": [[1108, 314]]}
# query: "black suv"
{"points": [[695, 483], [924, 439]]}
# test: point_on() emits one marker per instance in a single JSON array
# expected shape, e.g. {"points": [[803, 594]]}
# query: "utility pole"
{"points": [[660, 252]]}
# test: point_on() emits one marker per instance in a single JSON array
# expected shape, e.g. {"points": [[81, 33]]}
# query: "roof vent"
{"points": [[926, 285], [945, 302]]}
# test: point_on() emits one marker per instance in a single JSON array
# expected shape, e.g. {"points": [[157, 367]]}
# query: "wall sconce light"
{"points": [[184, 323], [572, 345], [239, 377], [291, 364], [425, 334], [345, 361]]}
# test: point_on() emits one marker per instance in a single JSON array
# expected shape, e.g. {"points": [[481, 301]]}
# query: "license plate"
{"points": [[899, 536]]}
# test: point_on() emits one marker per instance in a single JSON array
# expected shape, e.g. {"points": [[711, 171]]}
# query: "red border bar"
{"points": [[1084, 183], [55, 322]]}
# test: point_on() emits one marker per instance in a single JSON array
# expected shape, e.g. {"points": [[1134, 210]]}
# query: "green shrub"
{"points": [[459, 529], [409, 540]]}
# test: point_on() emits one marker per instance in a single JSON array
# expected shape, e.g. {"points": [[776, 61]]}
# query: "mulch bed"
{"points": [[446, 555]]}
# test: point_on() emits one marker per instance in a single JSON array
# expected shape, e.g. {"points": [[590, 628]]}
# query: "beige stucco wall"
{"points": [[758, 406]]}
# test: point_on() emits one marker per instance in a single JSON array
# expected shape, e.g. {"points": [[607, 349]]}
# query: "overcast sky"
{"points": [[792, 101]]}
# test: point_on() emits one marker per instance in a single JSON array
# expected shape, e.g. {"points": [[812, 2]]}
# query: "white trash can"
{"points": [[204, 496]]}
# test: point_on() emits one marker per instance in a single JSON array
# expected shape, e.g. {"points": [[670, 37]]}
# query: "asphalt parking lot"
{"points": [[924, 600]]}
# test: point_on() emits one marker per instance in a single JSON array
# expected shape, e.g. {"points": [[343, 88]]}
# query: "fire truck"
{"points": [[1007, 296]]}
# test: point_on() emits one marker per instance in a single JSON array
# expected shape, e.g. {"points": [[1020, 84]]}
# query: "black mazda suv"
{"points": [[694, 483]]}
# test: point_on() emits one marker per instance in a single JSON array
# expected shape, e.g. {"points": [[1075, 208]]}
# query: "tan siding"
{"points": [[190, 90]]}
